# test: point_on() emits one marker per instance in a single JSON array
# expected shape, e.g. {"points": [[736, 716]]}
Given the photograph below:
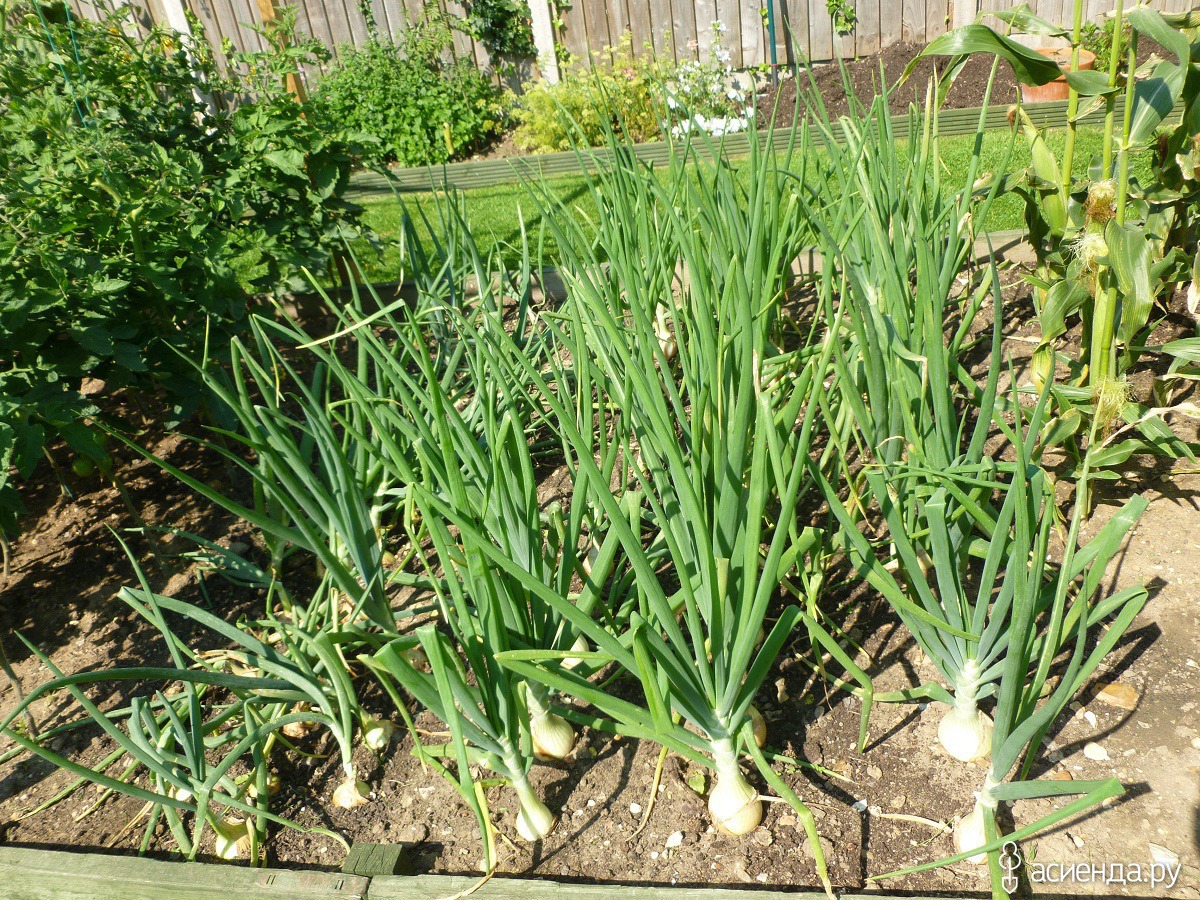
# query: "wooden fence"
{"points": [[673, 28]]}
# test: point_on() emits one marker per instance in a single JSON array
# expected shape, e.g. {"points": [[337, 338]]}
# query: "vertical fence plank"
{"points": [[729, 14], [937, 12], [751, 30], [912, 19], [639, 26], [706, 14], [595, 13], [660, 29], [820, 31], [617, 12], [683, 22], [891, 24], [795, 17], [574, 34], [868, 33]]}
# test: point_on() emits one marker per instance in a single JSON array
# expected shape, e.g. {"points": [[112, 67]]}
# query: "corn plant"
{"points": [[1108, 248]]}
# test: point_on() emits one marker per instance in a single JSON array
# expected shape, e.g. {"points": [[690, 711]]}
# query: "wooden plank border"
{"points": [[32, 874], [488, 172]]}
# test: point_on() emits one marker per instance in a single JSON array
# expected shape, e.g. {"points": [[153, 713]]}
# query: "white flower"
{"points": [[723, 55], [735, 95], [720, 27], [672, 103]]}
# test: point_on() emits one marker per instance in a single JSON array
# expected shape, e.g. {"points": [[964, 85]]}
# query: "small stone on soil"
{"points": [[1119, 695], [1094, 751], [674, 839]]}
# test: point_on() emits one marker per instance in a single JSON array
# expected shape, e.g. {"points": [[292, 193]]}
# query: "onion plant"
{"points": [[717, 450], [193, 733], [479, 500], [1005, 625]]}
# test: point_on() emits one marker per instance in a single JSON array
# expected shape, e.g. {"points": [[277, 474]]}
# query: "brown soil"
{"points": [[969, 89], [67, 568]]}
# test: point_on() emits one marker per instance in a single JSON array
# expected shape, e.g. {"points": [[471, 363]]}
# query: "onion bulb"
{"points": [[580, 646], [233, 838], [351, 793], [733, 804], [969, 833], [298, 730], [274, 786], [966, 733], [535, 820], [377, 733], [759, 724], [553, 737], [666, 338]]}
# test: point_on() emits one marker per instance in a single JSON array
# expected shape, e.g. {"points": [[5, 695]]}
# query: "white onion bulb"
{"points": [[553, 736], [969, 833], [535, 820], [666, 338], [233, 838], [759, 724], [580, 646], [351, 793], [734, 805], [966, 734], [377, 733]]}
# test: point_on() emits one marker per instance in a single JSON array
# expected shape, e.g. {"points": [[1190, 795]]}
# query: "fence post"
{"points": [[964, 12], [543, 39], [174, 14], [268, 11]]}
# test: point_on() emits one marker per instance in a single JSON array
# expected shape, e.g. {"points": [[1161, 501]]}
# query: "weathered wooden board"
{"points": [[28, 874], [426, 887]]}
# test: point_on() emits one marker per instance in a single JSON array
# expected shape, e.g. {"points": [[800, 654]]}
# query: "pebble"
{"points": [[674, 839], [788, 822], [1076, 840], [1118, 694], [762, 877], [762, 837], [1196, 743], [1062, 775], [1163, 856], [1089, 717], [635, 808], [859, 806], [1094, 751], [654, 854], [874, 772], [898, 802]]}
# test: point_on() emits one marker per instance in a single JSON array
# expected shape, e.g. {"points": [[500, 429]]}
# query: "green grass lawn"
{"points": [[496, 213]]}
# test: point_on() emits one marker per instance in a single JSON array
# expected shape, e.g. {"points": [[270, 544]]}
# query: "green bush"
{"points": [[414, 100], [618, 91], [137, 220]]}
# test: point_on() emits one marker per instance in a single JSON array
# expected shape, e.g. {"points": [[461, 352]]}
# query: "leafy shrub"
{"points": [[632, 94], [617, 92], [137, 220], [417, 102]]}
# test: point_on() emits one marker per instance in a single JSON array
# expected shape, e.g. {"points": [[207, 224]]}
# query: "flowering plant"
{"points": [[701, 95]]}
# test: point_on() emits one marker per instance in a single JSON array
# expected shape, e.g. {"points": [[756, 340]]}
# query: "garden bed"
{"points": [[67, 567]]}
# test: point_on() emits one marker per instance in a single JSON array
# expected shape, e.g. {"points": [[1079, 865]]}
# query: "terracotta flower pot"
{"points": [[1056, 89]]}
